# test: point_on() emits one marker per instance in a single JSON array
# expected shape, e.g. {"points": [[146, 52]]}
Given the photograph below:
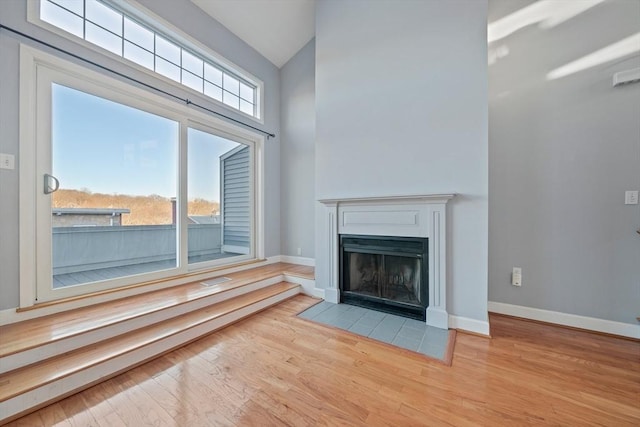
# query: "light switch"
{"points": [[8, 161], [630, 197], [516, 276]]}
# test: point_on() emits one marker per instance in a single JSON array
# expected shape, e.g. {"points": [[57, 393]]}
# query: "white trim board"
{"points": [[318, 293], [470, 325], [565, 319], [309, 262], [308, 285]]}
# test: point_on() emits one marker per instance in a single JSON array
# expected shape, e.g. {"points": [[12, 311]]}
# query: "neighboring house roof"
{"points": [[89, 211], [205, 219]]}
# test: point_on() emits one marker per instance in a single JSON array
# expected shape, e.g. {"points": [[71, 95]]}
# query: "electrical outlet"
{"points": [[630, 197], [299, 251], [7, 161], [516, 276]]}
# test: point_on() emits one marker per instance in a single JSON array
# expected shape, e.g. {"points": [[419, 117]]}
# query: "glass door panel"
{"points": [[219, 197], [114, 214]]}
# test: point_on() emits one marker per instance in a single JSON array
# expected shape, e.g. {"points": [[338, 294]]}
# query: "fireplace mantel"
{"points": [[425, 198], [403, 216]]}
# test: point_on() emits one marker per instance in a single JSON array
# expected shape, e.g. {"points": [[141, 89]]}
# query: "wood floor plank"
{"points": [[276, 369], [112, 420], [34, 420], [77, 412], [98, 404], [53, 415]]}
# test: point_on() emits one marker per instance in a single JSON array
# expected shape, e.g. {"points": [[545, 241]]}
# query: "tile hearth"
{"points": [[399, 331]]}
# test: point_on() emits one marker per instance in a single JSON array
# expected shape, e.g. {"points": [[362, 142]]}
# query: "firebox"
{"points": [[388, 274]]}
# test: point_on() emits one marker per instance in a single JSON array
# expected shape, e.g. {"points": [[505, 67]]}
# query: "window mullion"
{"points": [[181, 69], [84, 19], [155, 53], [123, 38], [182, 225]]}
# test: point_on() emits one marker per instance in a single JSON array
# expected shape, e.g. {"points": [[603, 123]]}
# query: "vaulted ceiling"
{"points": [[275, 28]]}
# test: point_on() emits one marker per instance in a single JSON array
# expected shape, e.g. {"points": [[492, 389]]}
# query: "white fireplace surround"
{"points": [[401, 216]]}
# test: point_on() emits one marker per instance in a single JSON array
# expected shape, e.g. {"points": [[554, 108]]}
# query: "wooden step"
{"points": [[295, 270], [28, 388], [34, 340]]}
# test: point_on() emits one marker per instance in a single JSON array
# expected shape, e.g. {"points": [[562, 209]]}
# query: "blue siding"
{"points": [[236, 213]]}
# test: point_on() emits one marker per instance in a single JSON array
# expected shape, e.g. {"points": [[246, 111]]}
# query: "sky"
{"points": [[111, 148]]}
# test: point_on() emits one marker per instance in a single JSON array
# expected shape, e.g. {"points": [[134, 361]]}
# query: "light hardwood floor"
{"points": [[276, 369]]}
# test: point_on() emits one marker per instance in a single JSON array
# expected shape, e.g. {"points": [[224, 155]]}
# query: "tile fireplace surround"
{"points": [[401, 216]]}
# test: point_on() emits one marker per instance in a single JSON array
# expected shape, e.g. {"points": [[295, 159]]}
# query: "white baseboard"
{"points": [[318, 293], [565, 319], [308, 285], [8, 316], [332, 295], [437, 317], [470, 325], [311, 262]]}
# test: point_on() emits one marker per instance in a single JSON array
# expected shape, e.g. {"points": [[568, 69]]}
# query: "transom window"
{"points": [[105, 26]]}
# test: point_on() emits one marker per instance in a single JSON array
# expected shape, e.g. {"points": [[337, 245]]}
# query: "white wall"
{"points": [[401, 104], [562, 154], [190, 19], [297, 160]]}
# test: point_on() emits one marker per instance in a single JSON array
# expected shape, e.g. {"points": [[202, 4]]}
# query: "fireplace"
{"points": [[413, 216], [388, 274]]}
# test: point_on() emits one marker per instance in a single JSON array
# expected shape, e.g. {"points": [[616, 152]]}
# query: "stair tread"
{"points": [[306, 272], [21, 380], [32, 333]]}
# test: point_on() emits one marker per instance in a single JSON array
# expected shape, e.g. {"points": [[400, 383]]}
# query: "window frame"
{"points": [[139, 13], [38, 71]]}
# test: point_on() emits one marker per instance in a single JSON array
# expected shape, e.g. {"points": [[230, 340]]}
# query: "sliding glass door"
{"points": [[130, 191]]}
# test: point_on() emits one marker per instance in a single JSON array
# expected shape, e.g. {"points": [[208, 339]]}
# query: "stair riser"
{"points": [[54, 391], [65, 345], [308, 285]]}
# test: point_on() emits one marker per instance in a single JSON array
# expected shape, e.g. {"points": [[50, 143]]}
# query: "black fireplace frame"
{"points": [[411, 247]]}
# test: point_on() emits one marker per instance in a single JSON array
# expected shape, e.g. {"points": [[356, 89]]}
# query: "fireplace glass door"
{"points": [[385, 273]]}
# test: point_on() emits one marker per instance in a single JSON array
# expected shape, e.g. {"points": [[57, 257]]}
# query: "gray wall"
{"points": [[562, 153], [186, 16], [298, 127], [401, 102]]}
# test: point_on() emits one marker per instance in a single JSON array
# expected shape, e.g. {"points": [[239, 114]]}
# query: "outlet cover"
{"points": [[7, 161], [630, 197]]}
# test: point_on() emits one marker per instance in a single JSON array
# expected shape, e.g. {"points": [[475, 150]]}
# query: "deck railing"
{"points": [[77, 249]]}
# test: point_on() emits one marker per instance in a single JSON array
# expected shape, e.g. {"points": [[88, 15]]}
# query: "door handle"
{"points": [[48, 189]]}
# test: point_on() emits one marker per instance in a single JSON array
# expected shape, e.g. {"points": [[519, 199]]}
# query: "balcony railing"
{"points": [[129, 249]]}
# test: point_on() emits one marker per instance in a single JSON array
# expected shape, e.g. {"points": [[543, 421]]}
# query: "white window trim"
{"points": [[137, 10], [33, 63]]}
